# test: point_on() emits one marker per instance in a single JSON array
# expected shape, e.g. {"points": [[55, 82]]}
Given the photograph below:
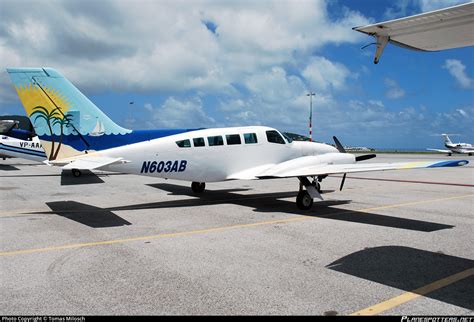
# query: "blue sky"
{"points": [[229, 63]]}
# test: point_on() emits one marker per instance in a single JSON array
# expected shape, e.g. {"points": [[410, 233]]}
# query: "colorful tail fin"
{"points": [[66, 121]]}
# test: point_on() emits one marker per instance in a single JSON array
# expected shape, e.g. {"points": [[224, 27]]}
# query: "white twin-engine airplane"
{"points": [[461, 148], [67, 122], [17, 143]]}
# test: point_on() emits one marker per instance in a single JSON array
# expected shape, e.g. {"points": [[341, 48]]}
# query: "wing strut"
{"points": [[382, 41]]}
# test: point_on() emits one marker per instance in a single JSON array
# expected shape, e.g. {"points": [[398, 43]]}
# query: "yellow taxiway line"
{"points": [[408, 296], [215, 229]]}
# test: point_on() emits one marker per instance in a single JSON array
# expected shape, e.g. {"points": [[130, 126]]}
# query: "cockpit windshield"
{"points": [[287, 138]]}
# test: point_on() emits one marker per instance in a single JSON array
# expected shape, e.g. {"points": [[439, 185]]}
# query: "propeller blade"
{"points": [[342, 182], [339, 146], [365, 157]]}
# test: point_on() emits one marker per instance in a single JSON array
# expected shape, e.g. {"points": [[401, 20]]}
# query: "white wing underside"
{"points": [[436, 30], [309, 170]]}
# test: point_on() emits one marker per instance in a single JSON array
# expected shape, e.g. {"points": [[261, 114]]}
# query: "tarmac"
{"points": [[389, 243]]}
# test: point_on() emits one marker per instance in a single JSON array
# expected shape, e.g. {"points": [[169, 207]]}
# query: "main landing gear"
{"points": [[198, 187], [304, 199]]}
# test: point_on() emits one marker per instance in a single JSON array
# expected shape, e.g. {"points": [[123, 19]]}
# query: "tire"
{"points": [[76, 173], [198, 187], [304, 200]]}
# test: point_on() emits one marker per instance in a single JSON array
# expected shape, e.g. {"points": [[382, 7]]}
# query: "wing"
{"points": [[430, 31], [287, 170], [89, 163], [442, 151]]}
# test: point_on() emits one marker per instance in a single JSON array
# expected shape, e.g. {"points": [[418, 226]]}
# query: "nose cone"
{"points": [[313, 148]]}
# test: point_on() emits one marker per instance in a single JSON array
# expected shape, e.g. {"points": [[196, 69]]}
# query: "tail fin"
{"points": [[65, 120], [447, 140]]}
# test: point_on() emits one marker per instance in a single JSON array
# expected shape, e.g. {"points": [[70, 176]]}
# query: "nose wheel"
{"points": [[198, 187]]}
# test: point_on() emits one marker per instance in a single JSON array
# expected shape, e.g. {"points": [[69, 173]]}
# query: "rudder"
{"points": [[64, 119]]}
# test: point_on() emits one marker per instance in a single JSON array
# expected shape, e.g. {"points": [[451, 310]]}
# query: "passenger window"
{"points": [[215, 140], [274, 137], [250, 138], [184, 143], [198, 142], [233, 139]]}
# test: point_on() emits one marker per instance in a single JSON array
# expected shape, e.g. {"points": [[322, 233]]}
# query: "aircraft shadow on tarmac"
{"points": [[8, 167], [88, 215], [97, 217], [408, 269], [269, 203], [87, 177]]}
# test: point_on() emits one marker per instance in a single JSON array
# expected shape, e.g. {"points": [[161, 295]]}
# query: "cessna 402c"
{"points": [[77, 135]]}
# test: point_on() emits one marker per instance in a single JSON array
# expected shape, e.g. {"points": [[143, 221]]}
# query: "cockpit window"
{"points": [[287, 138], [274, 137]]}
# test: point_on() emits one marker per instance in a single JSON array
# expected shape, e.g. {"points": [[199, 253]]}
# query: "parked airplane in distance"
{"points": [[462, 148], [19, 143], [66, 123]]}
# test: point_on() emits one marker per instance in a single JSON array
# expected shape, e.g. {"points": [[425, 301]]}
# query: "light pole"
{"points": [[311, 94]]}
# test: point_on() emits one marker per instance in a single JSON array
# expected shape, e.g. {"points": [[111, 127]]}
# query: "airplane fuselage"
{"points": [[460, 147], [11, 147], [220, 154]]}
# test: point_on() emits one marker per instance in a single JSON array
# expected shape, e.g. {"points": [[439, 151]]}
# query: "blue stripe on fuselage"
{"points": [[108, 141], [22, 150]]}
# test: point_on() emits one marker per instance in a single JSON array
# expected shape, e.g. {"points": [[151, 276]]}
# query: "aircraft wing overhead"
{"points": [[91, 163], [325, 169], [447, 28]]}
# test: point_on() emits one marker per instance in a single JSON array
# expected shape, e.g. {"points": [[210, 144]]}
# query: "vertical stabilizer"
{"points": [[64, 119], [447, 140]]}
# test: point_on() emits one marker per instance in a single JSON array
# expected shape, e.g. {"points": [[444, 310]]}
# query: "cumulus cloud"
{"points": [[166, 46], [458, 70], [323, 74], [394, 90], [176, 113]]}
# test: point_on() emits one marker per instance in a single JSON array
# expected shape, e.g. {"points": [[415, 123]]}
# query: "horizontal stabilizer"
{"points": [[92, 163]]}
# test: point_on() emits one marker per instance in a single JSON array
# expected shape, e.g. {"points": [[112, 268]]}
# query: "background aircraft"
{"points": [[16, 142], [462, 148], [66, 122]]}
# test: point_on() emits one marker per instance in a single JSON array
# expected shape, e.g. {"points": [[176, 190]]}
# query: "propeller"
{"points": [[342, 182], [365, 157], [358, 158]]}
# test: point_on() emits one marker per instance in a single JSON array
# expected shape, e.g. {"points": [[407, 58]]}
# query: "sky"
{"points": [[192, 64]]}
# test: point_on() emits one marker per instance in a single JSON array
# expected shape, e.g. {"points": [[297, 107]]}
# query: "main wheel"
{"points": [[76, 172], [304, 200], [198, 187]]}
